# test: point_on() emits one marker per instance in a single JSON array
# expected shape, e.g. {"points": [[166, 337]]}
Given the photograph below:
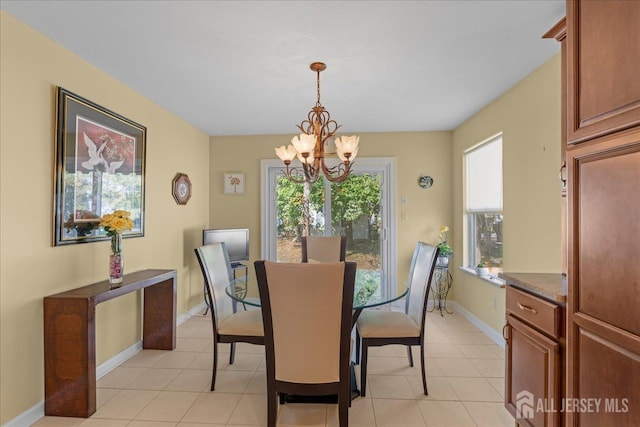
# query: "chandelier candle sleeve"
{"points": [[309, 147]]}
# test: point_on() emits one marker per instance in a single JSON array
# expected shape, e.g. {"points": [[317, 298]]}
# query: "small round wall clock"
{"points": [[425, 181], [181, 188]]}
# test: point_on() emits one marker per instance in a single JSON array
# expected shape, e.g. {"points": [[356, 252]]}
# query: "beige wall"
{"points": [[416, 153], [30, 267], [528, 115]]}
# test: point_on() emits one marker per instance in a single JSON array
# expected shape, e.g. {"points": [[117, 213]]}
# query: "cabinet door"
{"points": [[532, 379], [603, 337], [603, 58]]}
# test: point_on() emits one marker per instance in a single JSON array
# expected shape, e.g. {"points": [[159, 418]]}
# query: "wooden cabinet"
{"points": [[533, 377], [603, 192], [604, 277], [603, 84], [559, 32]]}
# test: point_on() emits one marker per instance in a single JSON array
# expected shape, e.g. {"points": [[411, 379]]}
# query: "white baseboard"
{"points": [[36, 412], [28, 417], [488, 331]]}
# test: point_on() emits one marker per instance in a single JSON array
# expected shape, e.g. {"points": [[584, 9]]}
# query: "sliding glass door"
{"points": [[357, 208]]}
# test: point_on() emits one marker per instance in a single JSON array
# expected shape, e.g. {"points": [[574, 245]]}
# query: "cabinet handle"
{"points": [[504, 334], [563, 178], [527, 308]]}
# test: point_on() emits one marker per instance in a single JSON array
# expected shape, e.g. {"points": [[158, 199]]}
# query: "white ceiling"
{"points": [[242, 67]]}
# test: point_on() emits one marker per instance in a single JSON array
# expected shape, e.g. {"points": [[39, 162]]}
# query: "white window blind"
{"points": [[484, 177]]}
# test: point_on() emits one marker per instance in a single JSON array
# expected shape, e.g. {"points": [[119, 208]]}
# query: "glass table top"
{"points": [[366, 292]]}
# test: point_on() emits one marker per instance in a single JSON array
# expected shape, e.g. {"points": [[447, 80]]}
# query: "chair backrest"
{"points": [[324, 248], [306, 310], [423, 264], [217, 272]]}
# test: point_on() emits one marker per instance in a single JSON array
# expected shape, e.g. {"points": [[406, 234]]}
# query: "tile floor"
{"points": [[465, 376]]}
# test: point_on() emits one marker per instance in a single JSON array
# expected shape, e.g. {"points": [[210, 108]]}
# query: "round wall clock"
{"points": [[181, 188], [425, 181]]}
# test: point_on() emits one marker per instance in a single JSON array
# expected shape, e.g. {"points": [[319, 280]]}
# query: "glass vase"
{"points": [[116, 261]]}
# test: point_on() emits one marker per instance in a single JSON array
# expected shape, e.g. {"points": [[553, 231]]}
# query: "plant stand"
{"points": [[440, 285]]}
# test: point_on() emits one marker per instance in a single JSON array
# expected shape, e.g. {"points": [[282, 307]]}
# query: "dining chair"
{"points": [[306, 311], [228, 326], [324, 248], [378, 327]]}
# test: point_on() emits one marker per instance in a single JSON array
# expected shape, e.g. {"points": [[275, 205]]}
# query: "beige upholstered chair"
{"points": [[377, 327], [228, 327], [306, 310], [324, 248]]}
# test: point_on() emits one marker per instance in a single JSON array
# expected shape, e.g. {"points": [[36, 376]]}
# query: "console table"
{"points": [[70, 330]]}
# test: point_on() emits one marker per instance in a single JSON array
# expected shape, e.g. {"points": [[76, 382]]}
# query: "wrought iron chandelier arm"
{"points": [[337, 173]]}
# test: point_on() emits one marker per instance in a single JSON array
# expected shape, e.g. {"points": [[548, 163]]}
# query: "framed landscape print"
{"points": [[100, 165]]}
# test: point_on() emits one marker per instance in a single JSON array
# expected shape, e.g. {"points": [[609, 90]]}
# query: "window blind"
{"points": [[484, 177]]}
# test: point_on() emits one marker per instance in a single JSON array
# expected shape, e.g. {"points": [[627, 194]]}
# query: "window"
{"points": [[483, 172]]}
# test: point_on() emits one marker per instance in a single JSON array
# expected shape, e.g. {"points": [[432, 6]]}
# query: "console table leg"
{"points": [[159, 324], [70, 364]]}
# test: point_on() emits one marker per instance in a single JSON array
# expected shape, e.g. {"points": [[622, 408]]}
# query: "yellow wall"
{"points": [[528, 115], [30, 267], [416, 153]]}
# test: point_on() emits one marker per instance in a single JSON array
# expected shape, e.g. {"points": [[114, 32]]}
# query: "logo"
{"points": [[524, 405], [527, 405]]}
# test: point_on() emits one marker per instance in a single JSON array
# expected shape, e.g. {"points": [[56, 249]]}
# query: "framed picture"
{"points": [[100, 165], [233, 183], [181, 188]]}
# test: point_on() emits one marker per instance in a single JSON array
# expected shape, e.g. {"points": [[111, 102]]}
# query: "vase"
{"points": [[443, 260], [116, 264]]}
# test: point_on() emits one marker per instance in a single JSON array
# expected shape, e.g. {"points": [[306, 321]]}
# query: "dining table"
{"points": [[367, 293]]}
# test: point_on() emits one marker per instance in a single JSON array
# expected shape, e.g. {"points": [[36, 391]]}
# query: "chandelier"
{"points": [[316, 131]]}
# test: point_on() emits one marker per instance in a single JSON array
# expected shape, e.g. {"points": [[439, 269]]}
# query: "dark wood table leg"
{"points": [[70, 365], [159, 324]]}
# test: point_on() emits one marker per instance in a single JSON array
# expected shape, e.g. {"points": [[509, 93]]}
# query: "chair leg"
{"points": [[357, 346], [424, 372], [343, 407], [363, 369], [410, 356], [232, 353], [215, 364], [272, 408]]}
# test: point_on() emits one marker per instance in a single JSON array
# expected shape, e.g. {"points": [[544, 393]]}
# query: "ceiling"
{"points": [[242, 67]]}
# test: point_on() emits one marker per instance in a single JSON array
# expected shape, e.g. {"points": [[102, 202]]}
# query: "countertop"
{"points": [[552, 286]]}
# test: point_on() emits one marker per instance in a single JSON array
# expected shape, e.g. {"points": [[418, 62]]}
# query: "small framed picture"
{"points": [[233, 183], [181, 188]]}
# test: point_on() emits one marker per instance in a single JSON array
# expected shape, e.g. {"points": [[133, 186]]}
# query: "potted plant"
{"points": [[445, 251], [482, 269]]}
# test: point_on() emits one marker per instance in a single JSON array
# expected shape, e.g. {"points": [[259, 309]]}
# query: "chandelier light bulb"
{"points": [[287, 153], [305, 143]]}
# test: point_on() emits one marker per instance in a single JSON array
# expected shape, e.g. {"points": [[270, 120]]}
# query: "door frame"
{"points": [[269, 168]]}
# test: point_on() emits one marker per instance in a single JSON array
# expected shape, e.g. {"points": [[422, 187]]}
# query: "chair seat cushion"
{"points": [[244, 323], [382, 324]]}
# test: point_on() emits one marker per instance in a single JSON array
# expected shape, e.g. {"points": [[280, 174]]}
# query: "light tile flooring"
{"points": [[465, 371]]}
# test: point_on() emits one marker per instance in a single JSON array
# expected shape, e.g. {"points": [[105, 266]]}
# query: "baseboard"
{"points": [[488, 331], [36, 412]]}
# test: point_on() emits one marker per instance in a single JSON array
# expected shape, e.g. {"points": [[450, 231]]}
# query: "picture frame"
{"points": [[181, 188], [99, 168], [234, 183]]}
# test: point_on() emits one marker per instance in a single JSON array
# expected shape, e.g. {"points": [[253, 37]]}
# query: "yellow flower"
{"points": [[444, 229], [116, 222]]}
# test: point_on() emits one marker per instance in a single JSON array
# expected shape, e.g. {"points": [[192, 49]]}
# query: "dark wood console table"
{"points": [[70, 332]]}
